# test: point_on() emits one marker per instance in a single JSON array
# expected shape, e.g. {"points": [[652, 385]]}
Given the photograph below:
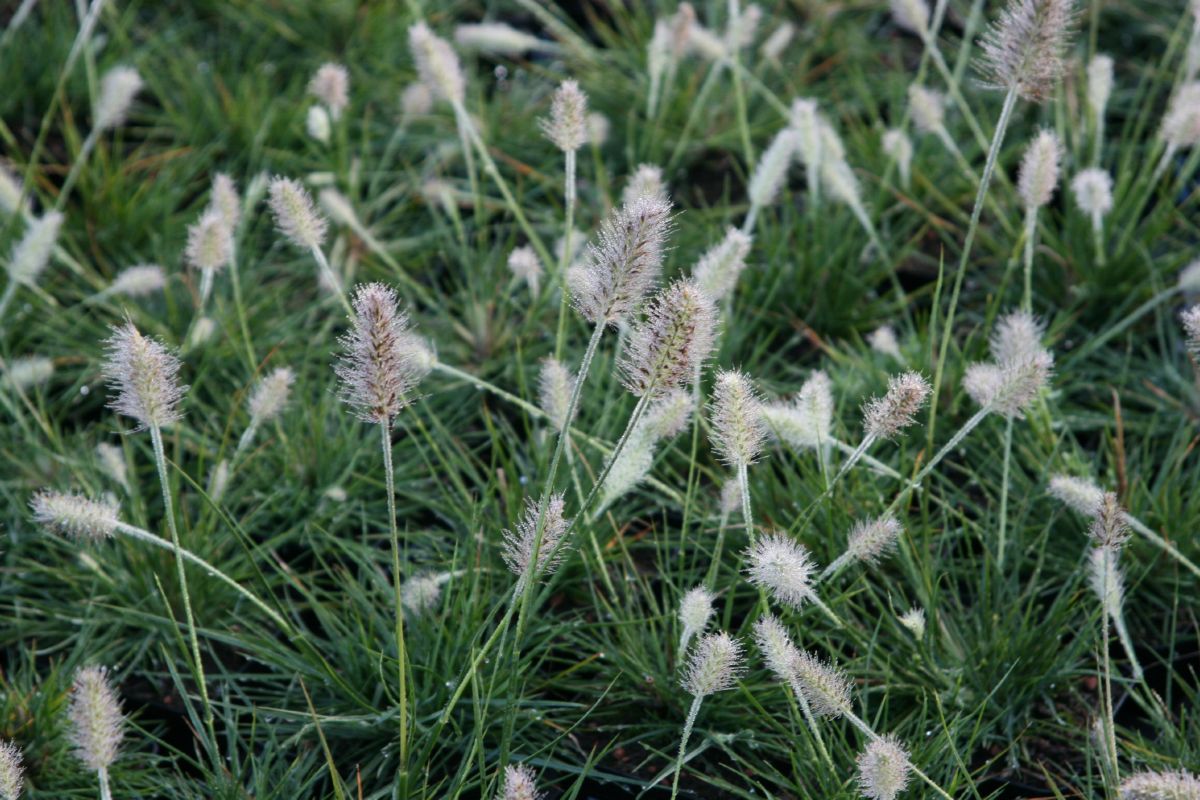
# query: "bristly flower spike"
{"points": [[145, 377], [806, 420], [883, 768], [714, 666], [383, 360], [518, 544], [1191, 329], [437, 64], [1025, 49], [12, 776], [646, 181], [695, 610], [32, 253], [555, 383], [884, 417], [568, 113], [331, 85], [525, 266], [899, 148], [118, 87], [295, 215], [782, 567], [1170, 785], [519, 783], [668, 347], [1039, 170], [96, 719], [1080, 494], [739, 430], [74, 515], [717, 271]]}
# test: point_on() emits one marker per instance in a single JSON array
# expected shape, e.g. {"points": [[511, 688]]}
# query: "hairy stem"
{"points": [[565, 257], [683, 740], [401, 652]]}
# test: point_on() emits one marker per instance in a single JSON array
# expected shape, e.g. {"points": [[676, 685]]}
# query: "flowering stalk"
{"points": [[117, 90], [715, 666], [298, 220], [566, 128]]}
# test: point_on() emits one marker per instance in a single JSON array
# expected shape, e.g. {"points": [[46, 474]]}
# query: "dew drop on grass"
{"points": [[83, 390]]}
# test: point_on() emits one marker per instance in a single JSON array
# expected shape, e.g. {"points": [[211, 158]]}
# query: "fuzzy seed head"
{"points": [[1099, 83], [295, 216], [806, 121], [73, 515], [771, 171], [421, 593], [776, 647], [331, 85], [1080, 494], [623, 263], [667, 348], [519, 783], [555, 384], [28, 371], [112, 462], [598, 128], [338, 207], [209, 242], [832, 147], [416, 100], [646, 181], [144, 375], [218, 480], [139, 281], [525, 265], [1191, 328], [717, 271], [631, 467], [1017, 337], [714, 666], [883, 340], [782, 567], [824, 686], [118, 87], [914, 620], [805, 421], [1109, 528], [695, 610], [495, 38], [872, 539], [226, 201], [1104, 573], [1039, 170], [1172, 785], [10, 191], [899, 148], [706, 44], [382, 362], [884, 417], [437, 64], [518, 544], [731, 497], [927, 109], [1026, 48], [911, 15], [12, 776], [204, 329], [96, 719], [1092, 189], [1181, 123], [841, 182], [271, 395], [568, 114], [317, 124], [883, 768], [667, 416], [32, 253], [739, 429], [774, 45]]}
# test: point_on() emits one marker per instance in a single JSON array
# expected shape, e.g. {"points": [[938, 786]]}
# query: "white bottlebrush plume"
{"points": [[1016, 338], [139, 281], [695, 610], [496, 38], [218, 480], [872, 539], [833, 149], [623, 263], [1109, 528], [714, 666], [927, 109], [773, 46], [731, 497], [339, 208], [806, 420], [209, 242], [912, 15], [74, 515], [295, 215], [598, 128], [555, 383], [1039, 170], [883, 768], [806, 121], [1171, 785], [10, 191], [1191, 329], [884, 417], [382, 363], [1092, 189], [317, 124], [12, 776], [1099, 83], [717, 271], [519, 783], [144, 375], [1181, 123], [270, 396], [1026, 48], [32, 253], [839, 178], [28, 371], [744, 33], [646, 181], [883, 340], [914, 620], [899, 148], [668, 347], [1106, 579], [706, 44], [421, 593], [1009, 389], [226, 201], [738, 427], [1080, 494], [118, 87], [525, 265], [824, 686], [437, 64], [771, 171], [204, 329], [663, 419], [112, 461], [416, 100], [777, 648], [668, 415], [331, 85], [518, 544], [781, 567], [97, 724], [566, 126]]}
